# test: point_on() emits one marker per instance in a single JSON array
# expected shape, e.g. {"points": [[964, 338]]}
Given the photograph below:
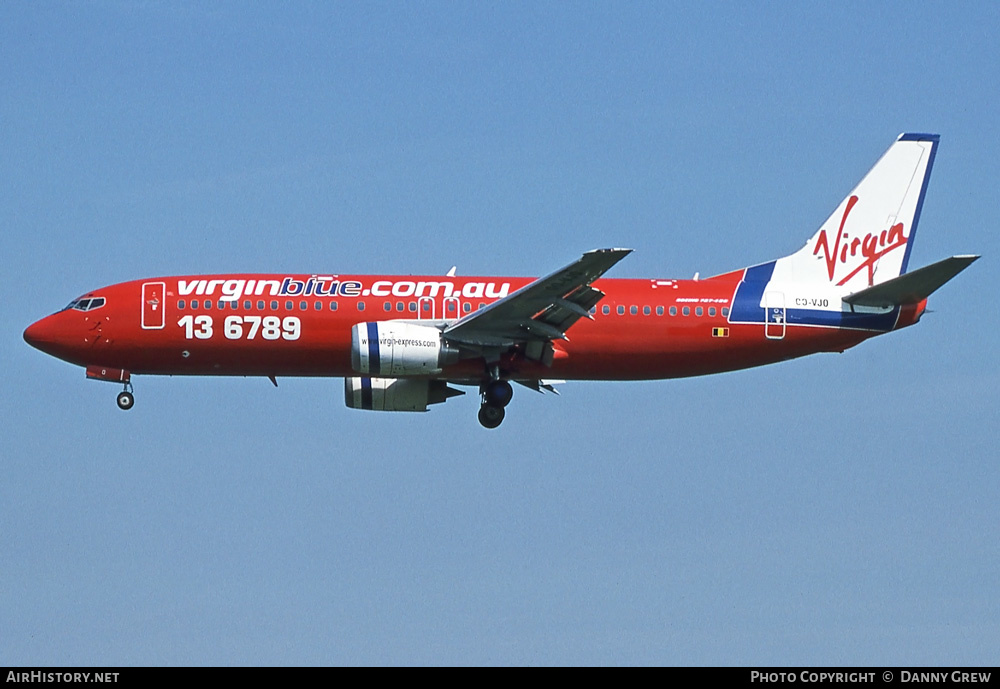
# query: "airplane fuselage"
{"points": [[291, 325]]}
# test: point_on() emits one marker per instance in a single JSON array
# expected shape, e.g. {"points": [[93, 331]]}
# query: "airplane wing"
{"points": [[541, 311]]}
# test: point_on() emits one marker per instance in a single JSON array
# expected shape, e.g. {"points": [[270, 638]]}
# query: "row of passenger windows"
{"points": [[646, 310], [450, 307], [248, 305]]}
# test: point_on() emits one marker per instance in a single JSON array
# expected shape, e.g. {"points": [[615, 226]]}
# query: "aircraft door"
{"points": [[153, 304], [774, 315], [425, 307], [450, 310]]}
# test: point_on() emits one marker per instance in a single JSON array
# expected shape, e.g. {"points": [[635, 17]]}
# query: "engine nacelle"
{"points": [[394, 394], [391, 348]]}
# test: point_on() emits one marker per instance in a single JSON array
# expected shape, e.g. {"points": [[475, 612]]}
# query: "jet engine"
{"points": [[392, 348], [395, 394]]}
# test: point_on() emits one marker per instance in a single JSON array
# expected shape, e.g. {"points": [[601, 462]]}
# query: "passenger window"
{"points": [[466, 307], [427, 306], [194, 303], [645, 311], [621, 310], [387, 306], [361, 306], [274, 305], [413, 307], [180, 304], [711, 310], [659, 310], [289, 305], [633, 310], [318, 305], [303, 305], [260, 305], [699, 311], [248, 305], [451, 306], [480, 306], [725, 311], [208, 304], [593, 310], [686, 310], [333, 306], [222, 304], [605, 309], [673, 310], [399, 306]]}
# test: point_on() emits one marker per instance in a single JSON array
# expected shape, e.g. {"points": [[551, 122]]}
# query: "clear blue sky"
{"points": [[838, 509]]}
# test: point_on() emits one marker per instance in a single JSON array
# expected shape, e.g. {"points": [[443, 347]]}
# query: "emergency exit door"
{"points": [[153, 305], [774, 315]]}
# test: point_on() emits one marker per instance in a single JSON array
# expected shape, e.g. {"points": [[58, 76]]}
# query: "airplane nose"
{"points": [[42, 334], [34, 334], [64, 336]]}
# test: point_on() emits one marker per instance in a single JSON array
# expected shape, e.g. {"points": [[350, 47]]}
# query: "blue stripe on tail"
{"points": [[935, 140], [749, 296]]}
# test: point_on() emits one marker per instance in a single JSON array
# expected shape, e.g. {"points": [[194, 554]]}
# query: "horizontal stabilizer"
{"points": [[911, 288]]}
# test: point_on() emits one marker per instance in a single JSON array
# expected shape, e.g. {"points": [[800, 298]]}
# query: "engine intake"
{"points": [[391, 348]]}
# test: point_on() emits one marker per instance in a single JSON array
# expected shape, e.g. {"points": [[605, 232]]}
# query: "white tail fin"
{"points": [[868, 238]]}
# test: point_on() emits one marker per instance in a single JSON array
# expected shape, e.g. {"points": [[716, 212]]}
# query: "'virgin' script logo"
{"points": [[868, 249]]}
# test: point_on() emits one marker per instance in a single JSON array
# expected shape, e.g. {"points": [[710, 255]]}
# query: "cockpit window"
{"points": [[86, 304]]}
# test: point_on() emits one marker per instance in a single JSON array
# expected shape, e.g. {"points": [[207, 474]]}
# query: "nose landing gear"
{"points": [[126, 400], [495, 395]]}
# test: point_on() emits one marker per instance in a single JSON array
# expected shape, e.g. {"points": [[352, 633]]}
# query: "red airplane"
{"points": [[400, 342]]}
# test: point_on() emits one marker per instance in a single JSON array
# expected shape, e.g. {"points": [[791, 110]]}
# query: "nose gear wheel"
{"points": [[126, 400]]}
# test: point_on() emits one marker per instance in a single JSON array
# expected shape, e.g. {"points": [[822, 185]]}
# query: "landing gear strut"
{"points": [[126, 400], [495, 395]]}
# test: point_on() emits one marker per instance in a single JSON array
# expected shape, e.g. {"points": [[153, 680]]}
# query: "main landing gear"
{"points": [[495, 395], [126, 400]]}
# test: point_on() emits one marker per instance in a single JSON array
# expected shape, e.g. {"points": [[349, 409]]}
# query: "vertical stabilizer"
{"points": [[868, 238]]}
